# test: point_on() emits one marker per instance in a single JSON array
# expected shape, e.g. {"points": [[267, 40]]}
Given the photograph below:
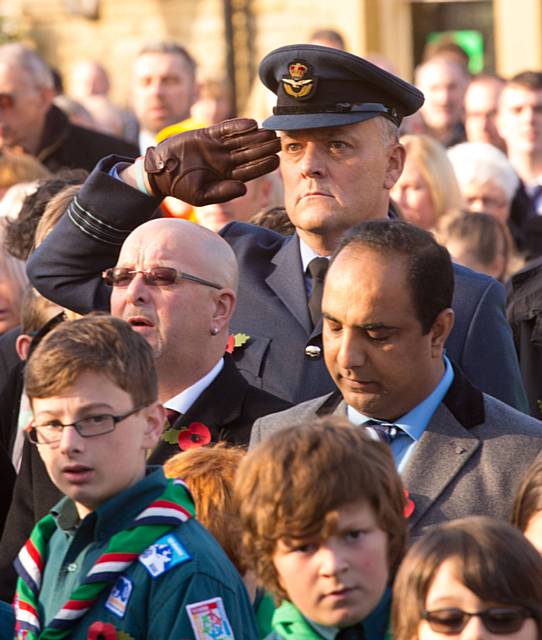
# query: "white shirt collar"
{"points": [[146, 139], [184, 400], [307, 254]]}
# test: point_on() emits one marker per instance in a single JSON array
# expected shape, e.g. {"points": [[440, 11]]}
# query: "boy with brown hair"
{"points": [[322, 510], [121, 555]]}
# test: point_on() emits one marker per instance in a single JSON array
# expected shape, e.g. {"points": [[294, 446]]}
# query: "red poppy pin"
{"points": [[102, 631], [409, 506], [196, 434], [236, 341]]}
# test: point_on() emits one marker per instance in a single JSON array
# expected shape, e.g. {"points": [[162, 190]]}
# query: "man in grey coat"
{"points": [[387, 314]]}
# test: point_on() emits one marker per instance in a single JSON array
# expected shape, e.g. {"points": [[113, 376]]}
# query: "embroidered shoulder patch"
{"points": [[166, 553], [209, 620], [119, 596]]}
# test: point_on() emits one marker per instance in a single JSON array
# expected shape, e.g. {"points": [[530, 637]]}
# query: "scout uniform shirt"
{"points": [[183, 586]]}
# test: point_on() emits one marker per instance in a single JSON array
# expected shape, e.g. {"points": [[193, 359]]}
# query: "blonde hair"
{"points": [[436, 169]]}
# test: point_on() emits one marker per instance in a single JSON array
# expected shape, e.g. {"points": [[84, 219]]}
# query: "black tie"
{"points": [[317, 269], [355, 632], [386, 431]]}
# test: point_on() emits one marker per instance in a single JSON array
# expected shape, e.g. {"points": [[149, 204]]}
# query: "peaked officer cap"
{"points": [[323, 87]]}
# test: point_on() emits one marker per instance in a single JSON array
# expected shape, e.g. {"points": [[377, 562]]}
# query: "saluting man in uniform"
{"points": [[338, 115]]}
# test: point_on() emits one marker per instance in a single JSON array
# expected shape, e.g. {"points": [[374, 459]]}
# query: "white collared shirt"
{"points": [[184, 400], [145, 140]]}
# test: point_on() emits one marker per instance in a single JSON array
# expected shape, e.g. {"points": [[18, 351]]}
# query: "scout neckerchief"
{"points": [[172, 508]]}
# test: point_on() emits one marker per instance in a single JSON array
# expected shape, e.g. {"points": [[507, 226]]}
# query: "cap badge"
{"points": [[296, 84]]}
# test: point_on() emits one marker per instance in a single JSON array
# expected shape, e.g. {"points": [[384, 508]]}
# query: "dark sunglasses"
{"points": [[497, 620], [7, 100], [158, 276]]}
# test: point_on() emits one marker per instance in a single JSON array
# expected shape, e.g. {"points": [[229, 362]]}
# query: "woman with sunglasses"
{"points": [[474, 578]]}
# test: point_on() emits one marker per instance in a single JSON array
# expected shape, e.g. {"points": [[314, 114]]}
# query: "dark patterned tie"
{"points": [[172, 416], [318, 269], [386, 431], [356, 632]]}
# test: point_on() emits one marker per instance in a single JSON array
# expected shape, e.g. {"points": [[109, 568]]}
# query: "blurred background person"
{"points": [[443, 81], [490, 184], [262, 193], [163, 88], [481, 242], [326, 37], [519, 122], [19, 167], [77, 113], [467, 567], [13, 282], [88, 78], [276, 219], [481, 108], [527, 511], [486, 178], [214, 102], [30, 121], [427, 187]]}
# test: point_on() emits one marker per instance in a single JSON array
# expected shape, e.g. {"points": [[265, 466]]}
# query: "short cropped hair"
{"points": [[172, 48], [19, 55], [98, 344], [493, 560], [528, 499], [429, 270], [209, 473], [328, 35], [527, 79], [293, 483]]}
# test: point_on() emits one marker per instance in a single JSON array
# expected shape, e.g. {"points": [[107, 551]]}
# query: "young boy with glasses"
{"points": [[322, 511], [122, 554]]}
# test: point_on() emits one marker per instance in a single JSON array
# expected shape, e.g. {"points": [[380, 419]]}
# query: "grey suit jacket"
{"points": [[469, 460]]}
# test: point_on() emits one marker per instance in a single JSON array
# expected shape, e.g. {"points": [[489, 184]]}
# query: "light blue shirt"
{"points": [[413, 423]]}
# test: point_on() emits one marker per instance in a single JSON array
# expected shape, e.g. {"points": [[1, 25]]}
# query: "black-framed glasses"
{"points": [[97, 425], [497, 620], [157, 276], [7, 100]]}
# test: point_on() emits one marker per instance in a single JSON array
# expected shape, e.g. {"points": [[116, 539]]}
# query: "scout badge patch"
{"points": [[209, 620], [119, 596], [165, 553]]}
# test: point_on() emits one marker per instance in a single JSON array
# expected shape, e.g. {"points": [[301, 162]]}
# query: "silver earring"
{"points": [[214, 331]]}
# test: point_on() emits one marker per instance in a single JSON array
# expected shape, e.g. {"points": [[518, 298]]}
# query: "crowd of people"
{"points": [[271, 378]]}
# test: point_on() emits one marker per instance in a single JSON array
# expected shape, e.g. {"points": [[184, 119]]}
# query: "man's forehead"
{"points": [[355, 258], [149, 63], [151, 247], [326, 132], [515, 94], [13, 75]]}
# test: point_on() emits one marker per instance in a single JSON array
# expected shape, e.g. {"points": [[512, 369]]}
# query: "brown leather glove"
{"points": [[210, 165]]}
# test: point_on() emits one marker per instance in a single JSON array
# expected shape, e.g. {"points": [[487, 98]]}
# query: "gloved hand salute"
{"points": [[210, 165]]}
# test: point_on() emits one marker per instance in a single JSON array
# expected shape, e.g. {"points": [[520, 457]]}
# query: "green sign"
{"points": [[469, 40]]}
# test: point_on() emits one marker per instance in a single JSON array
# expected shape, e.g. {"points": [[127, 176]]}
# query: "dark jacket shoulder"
{"points": [[66, 145]]}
